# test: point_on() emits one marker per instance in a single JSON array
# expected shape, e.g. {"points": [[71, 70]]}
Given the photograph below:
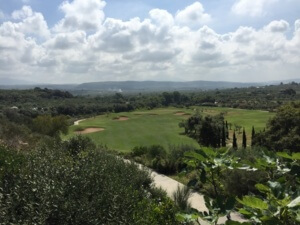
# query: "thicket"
{"points": [[73, 183], [283, 130], [163, 161]]}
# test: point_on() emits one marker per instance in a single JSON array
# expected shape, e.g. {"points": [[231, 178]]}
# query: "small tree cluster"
{"points": [[208, 131]]}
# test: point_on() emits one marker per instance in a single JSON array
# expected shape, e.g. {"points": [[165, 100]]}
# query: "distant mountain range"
{"points": [[137, 86], [160, 85]]}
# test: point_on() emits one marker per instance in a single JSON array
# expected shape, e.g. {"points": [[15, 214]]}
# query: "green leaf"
{"points": [[253, 202], [263, 188], [209, 151], [195, 155], [294, 156], [245, 212]]}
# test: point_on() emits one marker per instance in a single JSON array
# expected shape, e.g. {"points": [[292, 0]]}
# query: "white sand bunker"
{"points": [[182, 114], [89, 130], [121, 118]]}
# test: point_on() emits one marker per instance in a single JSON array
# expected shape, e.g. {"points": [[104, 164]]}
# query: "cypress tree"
{"points": [[252, 136], [223, 136], [244, 139], [234, 143], [227, 131]]}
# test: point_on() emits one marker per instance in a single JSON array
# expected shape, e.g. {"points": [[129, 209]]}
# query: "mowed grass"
{"points": [[159, 126]]}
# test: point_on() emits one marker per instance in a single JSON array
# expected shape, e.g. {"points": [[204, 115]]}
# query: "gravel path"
{"points": [[76, 123], [196, 200]]}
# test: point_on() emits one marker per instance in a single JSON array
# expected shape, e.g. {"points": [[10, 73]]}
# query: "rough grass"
{"points": [[160, 126]]}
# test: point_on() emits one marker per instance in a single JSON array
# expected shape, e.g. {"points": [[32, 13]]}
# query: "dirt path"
{"points": [[196, 199], [76, 123]]}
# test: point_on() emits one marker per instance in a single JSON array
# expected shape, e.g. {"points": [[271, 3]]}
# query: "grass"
{"points": [[160, 126]]}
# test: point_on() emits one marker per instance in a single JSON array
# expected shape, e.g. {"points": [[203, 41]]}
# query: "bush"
{"points": [[181, 196], [95, 187], [156, 151]]}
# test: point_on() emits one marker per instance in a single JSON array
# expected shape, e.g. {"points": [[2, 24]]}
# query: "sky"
{"points": [[79, 41]]}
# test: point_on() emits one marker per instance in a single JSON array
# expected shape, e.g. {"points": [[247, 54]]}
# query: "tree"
{"points": [[227, 130], [252, 136], [244, 139], [207, 131], [223, 136], [283, 130], [234, 143], [51, 126]]}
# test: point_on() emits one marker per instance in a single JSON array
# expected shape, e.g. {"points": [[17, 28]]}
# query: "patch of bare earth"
{"points": [[122, 118], [89, 130], [182, 114]]}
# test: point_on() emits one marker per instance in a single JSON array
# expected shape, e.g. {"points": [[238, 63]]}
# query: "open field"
{"points": [[123, 131]]}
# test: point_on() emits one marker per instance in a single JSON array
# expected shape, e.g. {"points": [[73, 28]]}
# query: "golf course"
{"points": [[124, 131]]}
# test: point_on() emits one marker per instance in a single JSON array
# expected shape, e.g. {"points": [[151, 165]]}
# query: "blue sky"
{"points": [[92, 40]]}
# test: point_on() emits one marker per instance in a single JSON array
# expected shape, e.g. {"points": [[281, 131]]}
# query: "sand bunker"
{"points": [[182, 114], [89, 130], [122, 118]]}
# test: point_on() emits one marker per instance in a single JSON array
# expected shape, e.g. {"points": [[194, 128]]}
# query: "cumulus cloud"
{"points": [[278, 26], [192, 15], [251, 7], [297, 25], [86, 46], [81, 15], [30, 23]]}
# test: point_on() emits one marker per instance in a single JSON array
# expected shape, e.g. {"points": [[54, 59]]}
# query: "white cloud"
{"points": [[252, 8], [81, 14], [161, 17], [278, 26], [30, 23], [160, 47], [192, 15], [297, 25], [23, 13]]}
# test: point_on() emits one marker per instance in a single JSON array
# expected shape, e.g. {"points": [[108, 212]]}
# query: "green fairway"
{"points": [[159, 126]]}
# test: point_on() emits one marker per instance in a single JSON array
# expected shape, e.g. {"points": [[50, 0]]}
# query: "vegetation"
{"points": [[44, 180], [282, 131], [207, 131], [57, 185], [160, 126]]}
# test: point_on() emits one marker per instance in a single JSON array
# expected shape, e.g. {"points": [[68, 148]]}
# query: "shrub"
{"points": [[95, 187], [181, 196]]}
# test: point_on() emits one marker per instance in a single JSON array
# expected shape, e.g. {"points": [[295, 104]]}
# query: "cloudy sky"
{"points": [[77, 41]]}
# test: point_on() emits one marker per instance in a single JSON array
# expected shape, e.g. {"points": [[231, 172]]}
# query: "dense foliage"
{"points": [[57, 185], [276, 199], [207, 131], [283, 130]]}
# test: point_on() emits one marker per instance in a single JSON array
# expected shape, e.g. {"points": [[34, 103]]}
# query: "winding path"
{"points": [[76, 123], [197, 201]]}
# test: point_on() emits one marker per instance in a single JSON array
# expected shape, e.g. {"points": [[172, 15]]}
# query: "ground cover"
{"points": [[124, 131]]}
